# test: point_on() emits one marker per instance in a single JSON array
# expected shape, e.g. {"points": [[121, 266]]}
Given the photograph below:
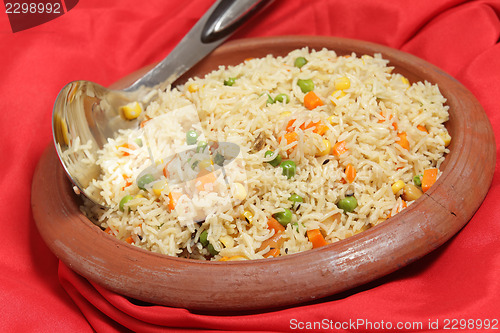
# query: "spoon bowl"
{"points": [[86, 114]]}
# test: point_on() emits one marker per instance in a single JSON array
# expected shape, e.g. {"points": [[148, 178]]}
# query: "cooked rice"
{"points": [[363, 117]]}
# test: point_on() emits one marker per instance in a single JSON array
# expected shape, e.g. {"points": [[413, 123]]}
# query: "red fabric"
{"points": [[104, 40]]}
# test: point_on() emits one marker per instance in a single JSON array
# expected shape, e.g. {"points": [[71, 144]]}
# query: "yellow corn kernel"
{"points": [[227, 240], [367, 57], [132, 204], [405, 80], [131, 111], [446, 138], [342, 83], [193, 87], [239, 191], [233, 258], [206, 164], [336, 95], [332, 120], [247, 215], [159, 187], [397, 186], [327, 147], [285, 114]]}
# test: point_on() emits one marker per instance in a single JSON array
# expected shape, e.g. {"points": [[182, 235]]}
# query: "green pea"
{"points": [[202, 145], [212, 250], [417, 180], [284, 217], [274, 162], [280, 98], [204, 238], [348, 204], [288, 168], [144, 180], [138, 142], [230, 81], [219, 159], [300, 61], [124, 200], [296, 198], [191, 137], [305, 85], [204, 241]]}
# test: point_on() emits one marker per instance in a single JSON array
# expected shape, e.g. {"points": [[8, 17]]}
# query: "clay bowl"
{"points": [[289, 280]]}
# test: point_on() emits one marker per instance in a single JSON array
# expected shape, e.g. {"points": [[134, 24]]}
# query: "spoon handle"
{"points": [[213, 28]]}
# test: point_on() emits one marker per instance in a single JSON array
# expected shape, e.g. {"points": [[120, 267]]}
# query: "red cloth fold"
{"points": [[104, 41]]}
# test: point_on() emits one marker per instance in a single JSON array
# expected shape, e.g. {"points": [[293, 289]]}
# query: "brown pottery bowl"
{"points": [[247, 285]]}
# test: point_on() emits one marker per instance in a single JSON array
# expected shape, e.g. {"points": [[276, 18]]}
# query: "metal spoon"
{"points": [[86, 114]]}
